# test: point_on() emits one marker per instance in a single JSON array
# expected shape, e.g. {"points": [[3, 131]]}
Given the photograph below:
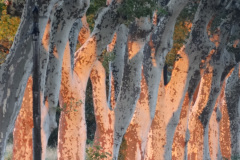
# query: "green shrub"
{"points": [[122, 150], [95, 152], [235, 157]]}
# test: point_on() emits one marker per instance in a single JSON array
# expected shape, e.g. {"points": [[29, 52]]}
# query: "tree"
{"points": [[12, 90], [157, 117]]}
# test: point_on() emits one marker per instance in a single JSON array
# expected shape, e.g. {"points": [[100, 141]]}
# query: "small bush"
{"points": [[95, 152], [235, 157], [122, 150]]}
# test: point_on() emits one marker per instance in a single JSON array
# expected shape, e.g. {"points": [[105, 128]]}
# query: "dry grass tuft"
{"points": [[50, 155], [8, 152]]}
